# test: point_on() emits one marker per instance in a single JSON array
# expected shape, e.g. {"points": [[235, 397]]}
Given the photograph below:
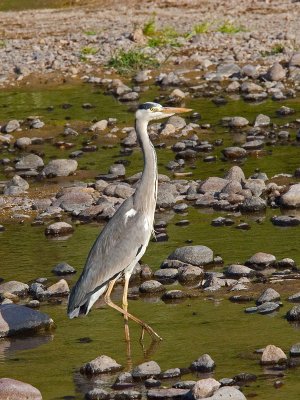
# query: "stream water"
{"points": [[207, 324]]}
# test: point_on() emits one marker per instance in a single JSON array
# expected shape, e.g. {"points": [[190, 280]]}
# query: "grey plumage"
{"points": [[124, 239]]}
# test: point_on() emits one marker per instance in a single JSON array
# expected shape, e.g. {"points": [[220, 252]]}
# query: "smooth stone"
{"points": [[253, 204], [97, 394], [163, 394], [295, 350], [272, 355], [100, 365], [60, 167], [63, 268], [128, 395], [268, 295], [226, 393], [59, 229], [174, 295], [146, 370], [10, 126], [170, 373], [151, 382], [205, 388], [15, 186], [291, 199], [12, 389], [285, 220], [238, 122], [293, 314], [237, 270], [166, 275], [151, 286], [14, 287], [234, 152], [16, 319], [60, 288], [31, 161], [184, 384], [189, 273], [203, 364], [195, 255], [295, 298], [261, 260]]}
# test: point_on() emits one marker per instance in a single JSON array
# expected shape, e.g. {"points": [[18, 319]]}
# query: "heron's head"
{"points": [[150, 111]]}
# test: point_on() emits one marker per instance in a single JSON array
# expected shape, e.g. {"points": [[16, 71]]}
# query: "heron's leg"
{"points": [[108, 301], [125, 305]]}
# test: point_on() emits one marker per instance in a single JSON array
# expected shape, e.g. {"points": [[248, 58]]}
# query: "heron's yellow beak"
{"points": [[175, 110]]}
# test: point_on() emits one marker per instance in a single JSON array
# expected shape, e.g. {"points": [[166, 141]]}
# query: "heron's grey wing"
{"points": [[115, 249]]}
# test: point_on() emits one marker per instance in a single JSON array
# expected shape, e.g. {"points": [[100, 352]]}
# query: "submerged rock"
{"points": [[146, 370], [16, 319], [203, 364]]}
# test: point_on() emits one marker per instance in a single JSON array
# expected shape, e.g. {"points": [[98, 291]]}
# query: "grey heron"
{"points": [[124, 239]]}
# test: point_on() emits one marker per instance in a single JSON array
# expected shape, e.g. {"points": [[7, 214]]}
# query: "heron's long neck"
{"points": [[146, 192]]}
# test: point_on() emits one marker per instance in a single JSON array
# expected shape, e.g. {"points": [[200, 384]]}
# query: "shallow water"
{"points": [[209, 324]]}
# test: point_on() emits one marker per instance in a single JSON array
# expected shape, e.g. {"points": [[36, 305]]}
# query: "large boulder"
{"points": [[16, 319], [195, 255], [60, 167], [11, 389]]}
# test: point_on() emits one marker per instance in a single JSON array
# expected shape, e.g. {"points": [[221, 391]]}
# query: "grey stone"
{"points": [[164, 394], [190, 274], [100, 365], [31, 161], [235, 173], [291, 199], [293, 314], [11, 126], [203, 364], [238, 122], [295, 350], [253, 145], [74, 201], [295, 298], [170, 373], [152, 382], [267, 308], [228, 70], [253, 204], [36, 123], [184, 384], [268, 295], [166, 275], [261, 260], [226, 393], [15, 186], [262, 120], [97, 394], [23, 142], [272, 355], [250, 87], [63, 268], [60, 167], [99, 125], [234, 152], [128, 395], [12, 389], [117, 169], [285, 220], [237, 270], [59, 229], [146, 370], [212, 185], [124, 380], [14, 287], [283, 110], [205, 388], [177, 122], [58, 289], [151, 286], [295, 60], [276, 72], [16, 319], [174, 295], [195, 255]]}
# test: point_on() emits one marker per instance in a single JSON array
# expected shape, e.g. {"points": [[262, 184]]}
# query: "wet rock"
{"points": [[36, 123], [170, 373], [151, 383], [58, 289], [15, 288], [244, 377], [117, 169], [128, 395], [97, 394], [63, 268], [59, 229], [174, 295], [272, 355], [151, 286], [60, 167], [261, 260], [184, 384], [31, 161], [164, 394], [205, 388], [15, 186], [283, 110], [250, 87], [276, 72], [166, 275], [253, 204], [285, 220], [189, 274], [203, 364], [253, 145], [16, 319], [177, 122], [146, 370], [293, 314], [237, 271], [33, 304], [291, 199], [295, 350], [228, 392], [195, 255], [295, 298], [226, 381], [100, 365], [11, 389], [268, 295], [23, 143], [124, 380], [11, 126], [166, 196], [238, 122], [234, 153], [263, 309]]}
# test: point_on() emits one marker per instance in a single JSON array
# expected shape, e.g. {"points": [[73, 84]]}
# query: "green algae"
{"points": [[208, 324]]}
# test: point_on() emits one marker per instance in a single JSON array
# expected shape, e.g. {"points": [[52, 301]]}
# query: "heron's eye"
{"points": [[153, 109]]}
